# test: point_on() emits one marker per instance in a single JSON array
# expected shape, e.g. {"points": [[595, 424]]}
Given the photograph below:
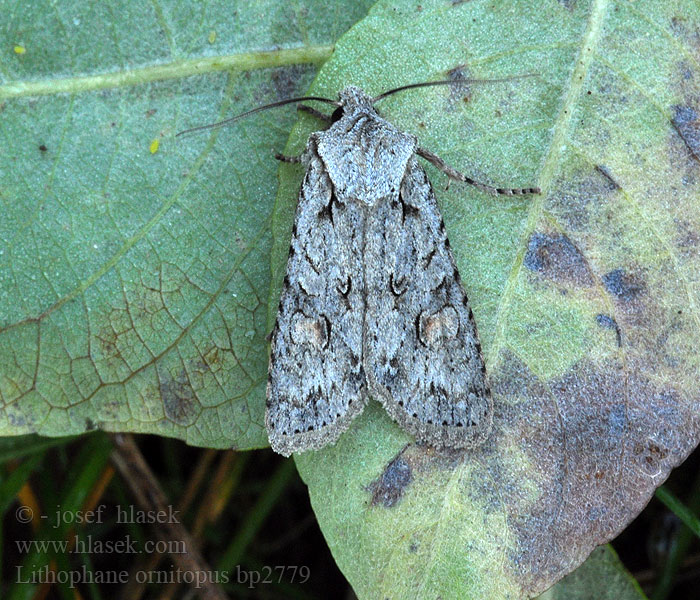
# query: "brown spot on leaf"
{"points": [[179, 401], [582, 196], [107, 341], [609, 323], [286, 80], [555, 257], [212, 359], [687, 238], [16, 419], [600, 441], [459, 91], [605, 172], [458, 73], [651, 453], [388, 489], [623, 285], [686, 122]]}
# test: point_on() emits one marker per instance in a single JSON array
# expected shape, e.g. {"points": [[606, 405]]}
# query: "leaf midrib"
{"points": [[550, 166], [175, 69], [171, 70]]}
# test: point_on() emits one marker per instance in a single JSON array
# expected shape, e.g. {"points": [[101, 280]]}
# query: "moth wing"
{"points": [[316, 381], [422, 352]]}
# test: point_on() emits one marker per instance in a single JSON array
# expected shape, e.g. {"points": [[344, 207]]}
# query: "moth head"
{"points": [[352, 99]]}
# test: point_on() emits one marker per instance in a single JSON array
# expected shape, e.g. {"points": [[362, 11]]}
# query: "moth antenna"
{"points": [[446, 82], [258, 109]]}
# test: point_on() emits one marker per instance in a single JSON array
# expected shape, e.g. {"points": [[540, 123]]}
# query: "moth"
{"points": [[373, 305]]}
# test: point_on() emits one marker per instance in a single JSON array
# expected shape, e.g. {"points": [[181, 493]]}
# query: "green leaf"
{"points": [[586, 296], [135, 267], [12, 484], [601, 577], [71, 495], [135, 285]]}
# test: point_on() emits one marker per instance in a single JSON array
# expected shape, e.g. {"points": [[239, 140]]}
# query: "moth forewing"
{"points": [[373, 304]]}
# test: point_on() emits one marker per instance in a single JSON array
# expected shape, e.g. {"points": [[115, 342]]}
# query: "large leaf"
{"points": [[601, 577], [586, 296], [134, 286]]}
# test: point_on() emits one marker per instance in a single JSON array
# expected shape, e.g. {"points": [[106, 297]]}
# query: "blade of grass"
{"points": [[62, 565], [679, 545], [257, 515], [25, 445], [679, 509], [92, 588], [12, 485], [87, 470], [223, 483], [16, 479]]}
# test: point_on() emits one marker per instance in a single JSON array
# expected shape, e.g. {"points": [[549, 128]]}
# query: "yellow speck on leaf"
{"points": [[20, 49], [154, 146], [212, 37]]}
